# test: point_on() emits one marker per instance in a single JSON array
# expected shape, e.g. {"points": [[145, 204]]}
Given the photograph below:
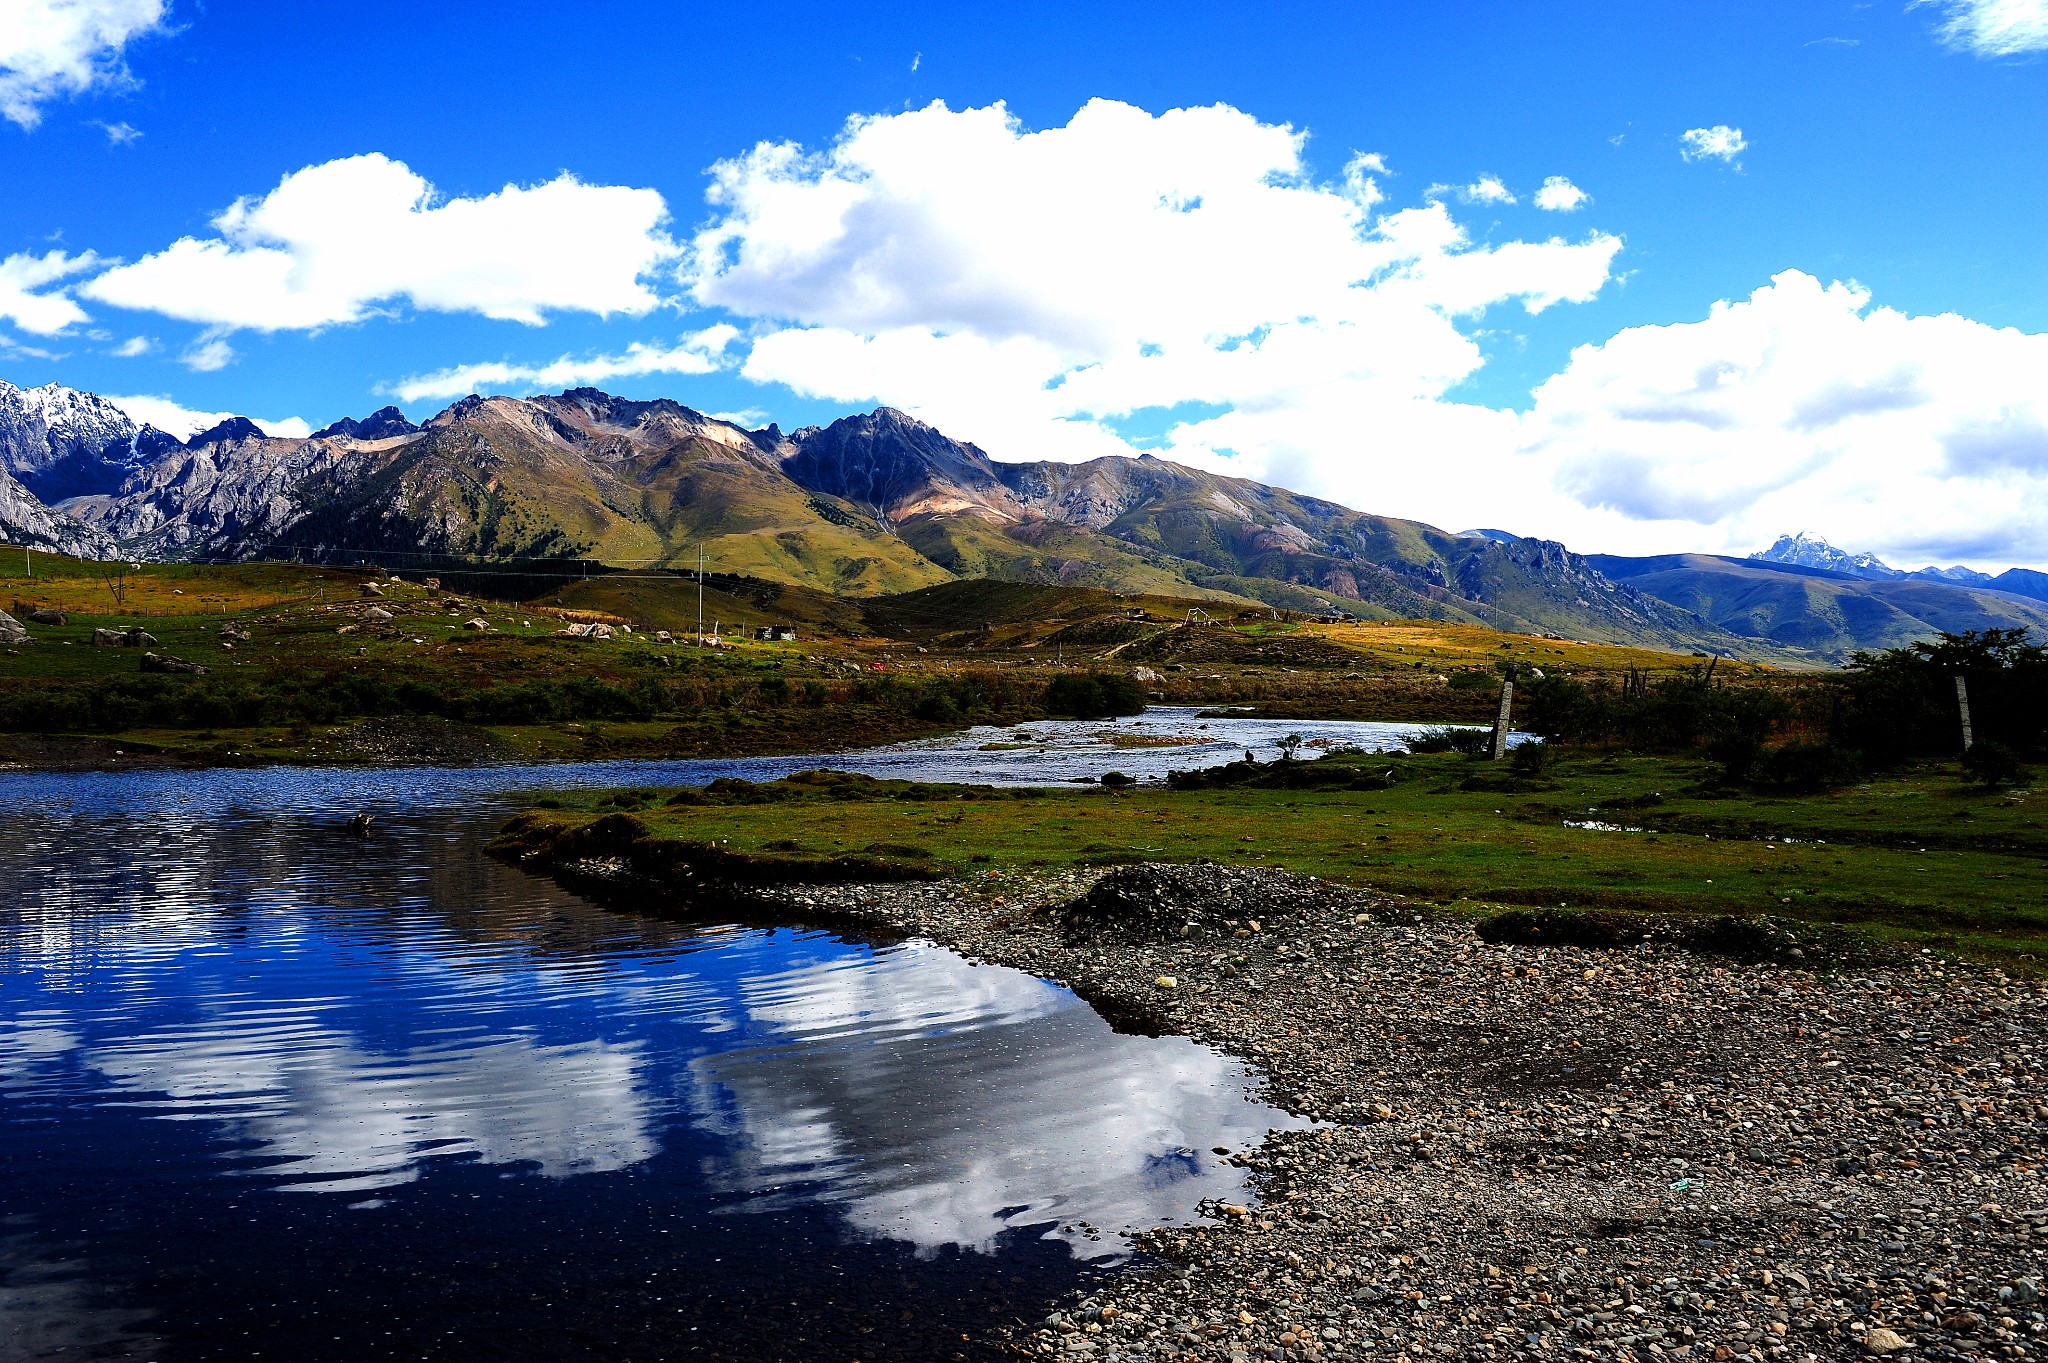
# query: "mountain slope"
{"points": [[1830, 613], [881, 502], [25, 520]]}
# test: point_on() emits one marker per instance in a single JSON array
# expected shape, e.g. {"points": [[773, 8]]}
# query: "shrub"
{"points": [[1529, 759], [1452, 738], [1802, 766], [1095, 696], [1992, 763]]}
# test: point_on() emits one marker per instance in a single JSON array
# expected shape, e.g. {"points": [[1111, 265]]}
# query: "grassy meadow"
{"points": [[1919, 858]]}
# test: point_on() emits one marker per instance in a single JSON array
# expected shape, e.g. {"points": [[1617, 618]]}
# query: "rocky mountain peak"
{"points": [[896, 466], [221, 433], [381, 424], [61, 442]]}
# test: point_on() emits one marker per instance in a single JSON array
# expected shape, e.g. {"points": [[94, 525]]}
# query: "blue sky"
{"points": [[1896, 149]]}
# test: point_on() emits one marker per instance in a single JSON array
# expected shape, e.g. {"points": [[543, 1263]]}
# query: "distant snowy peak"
{"points": [[1811, 551], [1497, 536]]}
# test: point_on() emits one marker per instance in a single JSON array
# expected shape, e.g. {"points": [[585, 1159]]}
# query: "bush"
{"points": [[1096, 696], [1802, 767], [1452, 738], [1529, 759], [1991, 763]]}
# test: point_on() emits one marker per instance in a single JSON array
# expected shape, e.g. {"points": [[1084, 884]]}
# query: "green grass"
{"points": [[1919, 859]]}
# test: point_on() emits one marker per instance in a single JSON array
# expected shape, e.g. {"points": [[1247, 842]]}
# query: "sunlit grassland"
{"points": [[1920, 858]]}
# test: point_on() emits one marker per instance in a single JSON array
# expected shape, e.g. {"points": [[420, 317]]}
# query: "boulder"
{"points": [[478, 623], [43, 615], [584, 632], [164, 662], [108, 638], [234, 633], [377, 615], [135, 636], [11, 631], [372, 589]]}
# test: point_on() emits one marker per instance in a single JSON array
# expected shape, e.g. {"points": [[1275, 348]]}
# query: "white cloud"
{"points": [[1487, 189], [1994, 28], [1718, 143], [133, 346], [698, 354], [26, 298], [1559, 195], [207, 354], [166, 415], [120, 134], [51, 49], [335, 241], [1803, 405], [1028, 289]]}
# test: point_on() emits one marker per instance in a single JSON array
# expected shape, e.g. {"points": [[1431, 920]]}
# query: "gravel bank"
{"points": [[1547, 1152]]}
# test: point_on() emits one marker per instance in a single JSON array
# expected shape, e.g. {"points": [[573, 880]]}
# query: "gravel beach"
{"points": [[1551, 1152], [1634, 1151]]}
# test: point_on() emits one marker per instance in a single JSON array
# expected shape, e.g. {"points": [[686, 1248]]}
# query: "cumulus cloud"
{"points": [[697, 354], [26, 298], [133, 346], [207, 354], [54, 49], [1487, 189], [1030, 289], [336, 241], [120, 134], [167, 415], [1805, 405], [1718, 143], [1994, 28], [1559, 195]]}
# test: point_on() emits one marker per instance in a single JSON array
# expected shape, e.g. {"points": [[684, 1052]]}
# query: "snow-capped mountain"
{"points": [[60, 442], [1811, 551], [1807, 550]]}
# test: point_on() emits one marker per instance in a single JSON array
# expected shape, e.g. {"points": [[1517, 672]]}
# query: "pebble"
{"points": [[1634, 1153]]}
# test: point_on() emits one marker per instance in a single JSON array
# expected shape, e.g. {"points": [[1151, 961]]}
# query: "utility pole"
{"points": [[700, 595], [28, 557], [1963, 707], [1499, 747]]}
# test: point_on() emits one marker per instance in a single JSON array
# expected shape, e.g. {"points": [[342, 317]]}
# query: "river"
{"points": [[270, 1092]]}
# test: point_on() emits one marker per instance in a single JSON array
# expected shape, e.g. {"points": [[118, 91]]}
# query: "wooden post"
{"points": [[1963, 708], [1499, 747]]}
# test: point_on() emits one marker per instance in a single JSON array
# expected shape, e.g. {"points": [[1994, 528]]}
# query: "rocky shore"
{"points": [[1632, 1152]]}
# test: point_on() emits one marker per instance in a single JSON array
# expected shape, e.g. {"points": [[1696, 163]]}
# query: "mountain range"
{"points": [[872, 503]]}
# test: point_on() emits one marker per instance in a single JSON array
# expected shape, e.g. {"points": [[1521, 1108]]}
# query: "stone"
{"points": [[1884, 1341], [164, 662], [107, 638], [43, 615], [478, 623], [377, 615], [11, 631], [372, 589]]}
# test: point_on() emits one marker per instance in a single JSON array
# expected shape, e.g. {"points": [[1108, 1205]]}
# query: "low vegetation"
{"points": [[1925, 856]]}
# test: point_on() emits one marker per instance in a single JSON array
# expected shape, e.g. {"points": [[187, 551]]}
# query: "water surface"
{"points": [[267, 1091]]}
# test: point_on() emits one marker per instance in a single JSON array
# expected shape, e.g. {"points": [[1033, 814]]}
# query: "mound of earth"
{"points": [[411, 740], [1157, 902]]}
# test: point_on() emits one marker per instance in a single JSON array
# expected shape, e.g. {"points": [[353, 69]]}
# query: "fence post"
{"points": [[1963, 708], [1498, 748]]}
